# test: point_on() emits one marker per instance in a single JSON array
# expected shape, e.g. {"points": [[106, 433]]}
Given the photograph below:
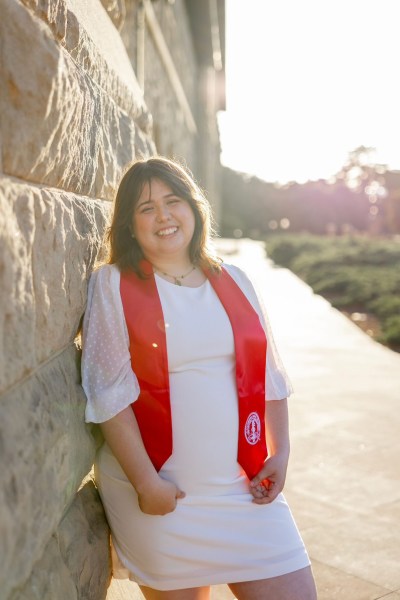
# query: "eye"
{"points": [[174, 201], [145, 209]]}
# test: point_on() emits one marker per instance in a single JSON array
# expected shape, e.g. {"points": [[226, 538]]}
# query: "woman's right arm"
{"points": [[156, 496], [111, 387]]}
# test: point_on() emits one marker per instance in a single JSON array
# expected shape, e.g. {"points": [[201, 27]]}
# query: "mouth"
{"points": [[167, 231]]}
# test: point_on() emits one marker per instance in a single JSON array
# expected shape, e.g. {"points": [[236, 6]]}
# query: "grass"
{"points": [[356, 274]]}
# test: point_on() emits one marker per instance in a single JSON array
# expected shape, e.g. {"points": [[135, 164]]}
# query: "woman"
{"points": [[177, 364]]}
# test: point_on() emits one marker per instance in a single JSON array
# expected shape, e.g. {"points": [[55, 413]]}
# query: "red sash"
{"points": [[148, 349]]}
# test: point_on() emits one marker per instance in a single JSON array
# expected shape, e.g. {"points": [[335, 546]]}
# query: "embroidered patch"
{"points": [[252, 429]]}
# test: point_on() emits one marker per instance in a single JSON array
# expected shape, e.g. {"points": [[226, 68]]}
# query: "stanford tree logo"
{"points": [[252, 429]]}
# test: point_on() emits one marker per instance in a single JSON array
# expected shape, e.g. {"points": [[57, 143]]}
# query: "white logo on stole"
{"points": [[252, 429]]}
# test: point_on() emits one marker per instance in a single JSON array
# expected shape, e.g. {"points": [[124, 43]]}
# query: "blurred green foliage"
{"points": [[354, 273]]}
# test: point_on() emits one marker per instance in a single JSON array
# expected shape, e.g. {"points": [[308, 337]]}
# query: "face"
{"points": [[163, 223]]}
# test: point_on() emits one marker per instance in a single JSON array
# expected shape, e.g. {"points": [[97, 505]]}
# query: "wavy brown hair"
{"points": [[125, 251]]}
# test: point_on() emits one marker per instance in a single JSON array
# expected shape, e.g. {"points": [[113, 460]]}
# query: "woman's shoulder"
{"points": [[104, 273], [244, 282], [237, 274], [104, 279]]}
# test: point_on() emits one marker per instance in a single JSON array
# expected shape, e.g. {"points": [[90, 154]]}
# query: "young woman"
{"points": [[180, 370]]}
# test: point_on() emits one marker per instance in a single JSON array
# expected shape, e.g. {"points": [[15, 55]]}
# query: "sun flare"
{"points": [[307, 82]]}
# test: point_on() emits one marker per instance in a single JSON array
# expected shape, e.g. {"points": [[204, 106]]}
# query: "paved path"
{"points": [[344, 477]]}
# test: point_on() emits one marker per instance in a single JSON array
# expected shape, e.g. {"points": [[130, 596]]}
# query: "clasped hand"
{"points": [[160, 497], [269, 482]]}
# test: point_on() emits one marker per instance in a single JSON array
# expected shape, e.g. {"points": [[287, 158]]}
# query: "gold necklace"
{"points": [[177, 278]]}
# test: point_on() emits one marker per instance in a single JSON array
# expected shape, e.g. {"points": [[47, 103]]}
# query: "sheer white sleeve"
{"points": [[277, 383], [107, 377]]}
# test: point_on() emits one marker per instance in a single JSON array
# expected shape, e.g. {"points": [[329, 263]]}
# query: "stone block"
{"points": [[84, 542], [85, 31], [45, 452], [74, 562], [49, 580], [116, 11], [61, 123], [170, 128], [49, 241]]}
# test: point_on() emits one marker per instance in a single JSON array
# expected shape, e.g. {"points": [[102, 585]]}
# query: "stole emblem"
{"points": [[252, 429]]}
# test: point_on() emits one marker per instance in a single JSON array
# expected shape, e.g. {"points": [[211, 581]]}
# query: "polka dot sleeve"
{"points": [[277, 383], [107, 377]]}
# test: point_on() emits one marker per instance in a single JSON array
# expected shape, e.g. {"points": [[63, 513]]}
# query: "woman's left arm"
{"points": [[269, 482]]}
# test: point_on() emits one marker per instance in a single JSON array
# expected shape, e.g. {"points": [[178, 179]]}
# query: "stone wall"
{"points": [[199, 149], [72, 116], [170, 130]]}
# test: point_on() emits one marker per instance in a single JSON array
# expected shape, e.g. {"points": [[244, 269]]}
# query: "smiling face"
{"points": [[163, 224]]}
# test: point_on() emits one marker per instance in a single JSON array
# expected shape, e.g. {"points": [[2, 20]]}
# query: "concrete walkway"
{"points": [[344, 478]]}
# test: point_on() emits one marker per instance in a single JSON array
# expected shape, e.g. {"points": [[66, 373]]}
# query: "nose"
{"points": [[162, 213]]}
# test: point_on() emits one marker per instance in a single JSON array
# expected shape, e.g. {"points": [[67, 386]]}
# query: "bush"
{"points": [[391, 333], [357, 274], [386, 306]]}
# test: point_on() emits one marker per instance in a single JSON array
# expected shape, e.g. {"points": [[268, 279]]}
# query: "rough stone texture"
{"points": [[209, 146], [50, 578], [116, 11], [69, 560], [49, 240], [170, 130], [85, 520], [45, 452], [72, 117], [84, 30], [72, 133], [200, 151]]}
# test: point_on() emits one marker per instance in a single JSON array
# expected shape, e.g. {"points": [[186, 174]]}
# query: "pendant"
{"points": [[177, 282]]}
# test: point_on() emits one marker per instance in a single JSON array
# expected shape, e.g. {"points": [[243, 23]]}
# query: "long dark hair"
{"points": [[123, 250]]}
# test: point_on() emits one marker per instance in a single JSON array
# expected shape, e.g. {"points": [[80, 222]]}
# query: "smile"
{"points": [[168, 231]]}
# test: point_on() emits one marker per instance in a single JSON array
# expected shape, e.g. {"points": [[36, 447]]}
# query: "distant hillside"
{"points": [[257, 207]]}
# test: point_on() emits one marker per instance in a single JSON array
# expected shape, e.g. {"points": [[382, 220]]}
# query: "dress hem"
{"points": [[266, 572]]}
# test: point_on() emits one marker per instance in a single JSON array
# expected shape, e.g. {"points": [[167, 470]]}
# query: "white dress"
{"points": [[216, 534]]}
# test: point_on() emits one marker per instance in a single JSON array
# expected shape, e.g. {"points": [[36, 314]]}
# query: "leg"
{"points": [[201, 593], [298, 585]]}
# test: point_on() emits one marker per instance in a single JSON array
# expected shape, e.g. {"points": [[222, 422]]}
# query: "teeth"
{"points": [[167, 231]]}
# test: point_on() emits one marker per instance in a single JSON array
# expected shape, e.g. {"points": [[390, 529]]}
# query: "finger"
{"points": [[266, 488], [269, 496], [256, 493], [260, 501], [265, 484], [262, 489], [268, 484], [263, 475], [257, 479]]}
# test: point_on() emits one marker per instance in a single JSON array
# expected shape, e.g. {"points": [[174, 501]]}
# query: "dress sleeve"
{"points": [[107, 377], [277, 382]]}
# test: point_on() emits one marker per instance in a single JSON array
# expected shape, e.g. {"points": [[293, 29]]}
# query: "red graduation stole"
{"points": [[148, 349]]}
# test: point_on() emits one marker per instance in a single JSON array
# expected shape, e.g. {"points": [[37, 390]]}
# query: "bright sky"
{"points": [[307, 82]]}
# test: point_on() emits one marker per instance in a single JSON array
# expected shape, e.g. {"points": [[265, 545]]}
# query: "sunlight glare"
{"points": [[309, 82]]}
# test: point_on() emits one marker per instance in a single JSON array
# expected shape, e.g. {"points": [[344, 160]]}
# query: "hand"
{"points": [[269, 482], [159, 498]]}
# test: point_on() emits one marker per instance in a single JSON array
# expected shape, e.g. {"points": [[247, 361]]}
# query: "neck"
{"points": [[172, 266]]}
